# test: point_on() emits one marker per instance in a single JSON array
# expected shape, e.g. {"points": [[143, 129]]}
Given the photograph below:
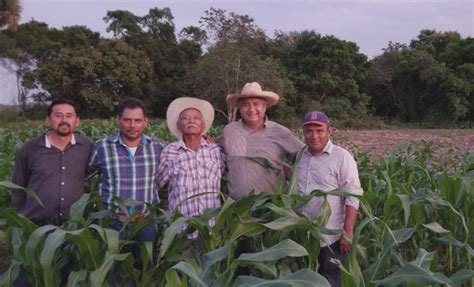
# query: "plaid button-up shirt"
{"points": [[189, 173], [123, 174]]}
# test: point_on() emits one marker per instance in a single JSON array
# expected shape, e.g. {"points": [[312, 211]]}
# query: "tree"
{"points": [[430, 80], [20, 52], [236, 55], [10, 14], [380, 83], [154, 33], [326, 73], [96, 77]]}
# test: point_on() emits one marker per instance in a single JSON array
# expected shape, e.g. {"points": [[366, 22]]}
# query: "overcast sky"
{"points": [[371, 24]]}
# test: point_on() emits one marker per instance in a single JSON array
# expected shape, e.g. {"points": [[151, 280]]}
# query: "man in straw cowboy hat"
{"points": [[191, 165], [255, 136]]}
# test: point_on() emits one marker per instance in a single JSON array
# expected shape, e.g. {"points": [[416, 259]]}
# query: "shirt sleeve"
{"points": [[163, 171], [20, 177], [292, 144], [223, 162], [93, 167], [349, 180]]}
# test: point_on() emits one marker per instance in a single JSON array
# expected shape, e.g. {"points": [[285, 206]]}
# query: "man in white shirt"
{"points": [[325, 167]]}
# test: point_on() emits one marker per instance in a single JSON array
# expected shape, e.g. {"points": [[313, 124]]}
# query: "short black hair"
{"points": [[130, 103], [61, 101]]}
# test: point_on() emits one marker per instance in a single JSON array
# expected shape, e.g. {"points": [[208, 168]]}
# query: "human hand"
{"points": [[209, 139], [344, 245]]}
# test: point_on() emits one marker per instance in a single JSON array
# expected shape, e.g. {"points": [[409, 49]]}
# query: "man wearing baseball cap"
{"points": [[254, 136], [325, 166], [191, 167]]}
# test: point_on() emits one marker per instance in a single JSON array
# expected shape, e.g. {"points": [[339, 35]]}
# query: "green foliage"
{"points": [[326, 73], [430, 81], [415, 227], [237, 55], [425, 82]]}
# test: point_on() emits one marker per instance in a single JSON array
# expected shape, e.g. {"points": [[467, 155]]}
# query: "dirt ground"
{"points": [[382, 142]]}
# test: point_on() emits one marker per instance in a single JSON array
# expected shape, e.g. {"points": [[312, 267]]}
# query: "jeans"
{"points": [[327, 268]]}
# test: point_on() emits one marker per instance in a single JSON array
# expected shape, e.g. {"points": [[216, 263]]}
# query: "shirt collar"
{"points": [[327, 149], [265, 122], [48, 144], [117, 138], [182, 144]]}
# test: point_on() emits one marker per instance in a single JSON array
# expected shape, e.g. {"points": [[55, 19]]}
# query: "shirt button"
{"points": [[63, 167], [60, 214], [62, 183], [62, 198]]}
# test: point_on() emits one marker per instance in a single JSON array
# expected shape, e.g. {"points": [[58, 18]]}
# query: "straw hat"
{"points": [[184, 103], [253, 90]]}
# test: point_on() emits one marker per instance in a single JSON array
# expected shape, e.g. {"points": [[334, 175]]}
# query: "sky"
{"points": [[371, 24]]}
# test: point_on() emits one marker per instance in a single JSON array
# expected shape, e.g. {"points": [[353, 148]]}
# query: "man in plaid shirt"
{"points": [[126, 163], [191, 167]]}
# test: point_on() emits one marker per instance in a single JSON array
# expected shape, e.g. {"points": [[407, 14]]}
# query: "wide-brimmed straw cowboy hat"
{"points": [[253, 90], [184, 103]]}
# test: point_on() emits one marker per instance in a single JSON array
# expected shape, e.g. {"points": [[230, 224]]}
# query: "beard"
{"points": [[63, 130]]}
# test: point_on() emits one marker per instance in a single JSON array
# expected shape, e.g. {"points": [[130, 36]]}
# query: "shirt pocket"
{"points": [[183, 175], [212, 170]]}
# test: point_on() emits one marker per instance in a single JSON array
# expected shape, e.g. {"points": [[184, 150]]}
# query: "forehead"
{"points": [[133, 113], [314, 127], [251, 100], [190, 112], [63, 108]]}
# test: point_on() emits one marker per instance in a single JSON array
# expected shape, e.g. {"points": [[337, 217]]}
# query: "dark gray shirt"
{"points": [[56, 176]]}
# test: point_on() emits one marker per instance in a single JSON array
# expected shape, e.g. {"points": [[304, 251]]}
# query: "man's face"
{"points": [[132, 123], [63, 120], [190, 122], [252, 111], [316, 137]]}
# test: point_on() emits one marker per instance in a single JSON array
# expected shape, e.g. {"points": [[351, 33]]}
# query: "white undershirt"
{"points": [[132, 150]]}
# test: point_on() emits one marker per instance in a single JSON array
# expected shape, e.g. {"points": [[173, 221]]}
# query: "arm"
{"points": [[350, 184], [163, 170], [349, 222], [223, 162], [95, 159]]}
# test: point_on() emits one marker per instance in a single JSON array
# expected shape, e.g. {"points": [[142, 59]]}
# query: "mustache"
{"points": [[64, 124]]}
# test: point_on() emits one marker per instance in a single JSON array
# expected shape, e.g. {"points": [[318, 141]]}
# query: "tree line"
{"points": [[429, 80]]}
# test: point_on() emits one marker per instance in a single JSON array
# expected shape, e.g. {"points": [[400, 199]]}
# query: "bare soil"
{"points": [[382, 142]]}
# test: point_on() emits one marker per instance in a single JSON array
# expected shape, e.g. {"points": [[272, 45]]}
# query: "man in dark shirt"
{"points": [[53, 166]]}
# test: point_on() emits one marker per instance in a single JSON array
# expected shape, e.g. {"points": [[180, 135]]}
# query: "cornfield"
{"points": [[414, 229]]}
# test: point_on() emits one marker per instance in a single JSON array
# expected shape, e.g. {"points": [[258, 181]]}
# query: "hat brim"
{"points": [[270, 97], [315, 123], [184, 103]]}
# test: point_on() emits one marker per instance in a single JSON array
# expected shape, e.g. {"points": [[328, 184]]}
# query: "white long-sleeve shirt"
{"points": [[333, 168]]}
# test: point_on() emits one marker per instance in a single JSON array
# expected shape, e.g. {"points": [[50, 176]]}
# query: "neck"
{"points": [[131, 143], [253, 126], [192, 141], [59, 141]]}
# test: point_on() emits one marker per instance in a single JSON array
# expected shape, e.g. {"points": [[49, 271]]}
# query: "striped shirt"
{"points": [[333, 168], [189, 173], [124, 174]]}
